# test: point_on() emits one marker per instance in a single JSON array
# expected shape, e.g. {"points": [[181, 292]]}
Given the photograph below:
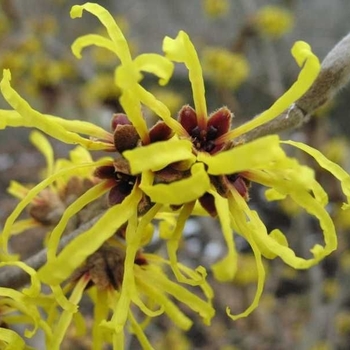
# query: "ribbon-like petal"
{"points": [[182, 191]]}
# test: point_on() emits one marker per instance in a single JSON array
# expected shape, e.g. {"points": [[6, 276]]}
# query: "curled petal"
{"points": [[203, 308], [309, 72], [90, 40], [34, 289], [158, 155], [182, 191], [89, 196], [108, 21], [156, 64], [27, 116], [257, 154], [170, 308], [325, 163], [21, 304], [14, 341], [182, 50], [251, 224]]}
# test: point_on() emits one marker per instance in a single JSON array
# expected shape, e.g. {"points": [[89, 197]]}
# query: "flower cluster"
{"points": [[193, 165]]}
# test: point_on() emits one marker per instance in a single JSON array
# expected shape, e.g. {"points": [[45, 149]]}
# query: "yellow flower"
{"points": [[273, 21], [223, 169], [225, 68], [216, 8], [182, 163]]}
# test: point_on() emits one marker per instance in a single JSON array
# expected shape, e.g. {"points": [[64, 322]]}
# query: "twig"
{"points": [[13, 277]]}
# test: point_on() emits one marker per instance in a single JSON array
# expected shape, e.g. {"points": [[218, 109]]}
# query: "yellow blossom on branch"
{"points": [[163, 173]]}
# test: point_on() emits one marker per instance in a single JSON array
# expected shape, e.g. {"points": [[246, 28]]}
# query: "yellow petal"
{"points": [[92, 40], [121, 309], [270, 245], [101, 310], [139, 333], [330, 166], [17, 190], [310, 68], [252, 155], [44, 146], [182, 50], [82, 127], [155, 64], [162, 282], [34, 288], [107, 20], [193, 274], [171, 309], [160, 109], [225, 269], [272, 195], [237, 224], [24, 225], [80, 248], [27, 116], [118, 341], [133, 238], [182, 191], [66, 316], [13, 340], [158, 155], [132, 108], [21, 303], [89, 196], [80, 155], [173, 245]]}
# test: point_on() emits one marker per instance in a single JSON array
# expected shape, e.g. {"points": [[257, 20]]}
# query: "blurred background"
{"points": [[244, 47]]}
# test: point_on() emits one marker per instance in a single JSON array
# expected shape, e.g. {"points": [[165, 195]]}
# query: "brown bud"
{"points": [[106, 267], [47, 208], [125, 137]]}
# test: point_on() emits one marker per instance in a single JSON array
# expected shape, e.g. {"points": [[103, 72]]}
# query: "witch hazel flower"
{"points": [[195, 165], [224, 167]]}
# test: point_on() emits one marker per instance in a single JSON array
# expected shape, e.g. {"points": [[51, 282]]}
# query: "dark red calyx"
{"points": [[160, 132]]}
